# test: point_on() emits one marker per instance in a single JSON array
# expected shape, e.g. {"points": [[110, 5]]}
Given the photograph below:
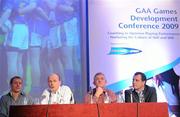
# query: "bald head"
{"points": [[54, 82], [54, 75]]}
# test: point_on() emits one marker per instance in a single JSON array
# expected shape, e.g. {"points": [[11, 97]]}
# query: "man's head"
{"points": [[99, 80], [139, 81], [54, 82], [16, 84]]}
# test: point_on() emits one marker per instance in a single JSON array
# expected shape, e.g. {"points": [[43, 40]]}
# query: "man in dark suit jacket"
{"points": [[140, 92]]}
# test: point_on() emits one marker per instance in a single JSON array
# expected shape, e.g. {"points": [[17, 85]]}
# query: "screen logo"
{"points": [[123, 51]]}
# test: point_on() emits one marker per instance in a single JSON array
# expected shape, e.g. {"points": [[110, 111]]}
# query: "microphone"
{"points": [[49, 102], [50, 95], [43, 97], [91, 95], [90, 91], [131, 95], [131, 88]]}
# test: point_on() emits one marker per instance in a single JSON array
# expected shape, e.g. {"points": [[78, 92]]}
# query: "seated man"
{"points": [[14, 97], [57, 93], [140, 92], [100, 94]]}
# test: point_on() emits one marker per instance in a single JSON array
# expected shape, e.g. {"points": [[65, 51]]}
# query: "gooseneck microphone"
{"points": [[131, 95], [50, 95], [91, 93], [98, 110], [49, 102], [133, 98]]}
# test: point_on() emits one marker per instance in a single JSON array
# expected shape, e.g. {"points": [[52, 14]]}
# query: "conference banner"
{"points": [[126, 36]]}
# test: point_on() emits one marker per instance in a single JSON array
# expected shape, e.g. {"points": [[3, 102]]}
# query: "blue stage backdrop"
{"points": [[126, 36], [38, 37]]}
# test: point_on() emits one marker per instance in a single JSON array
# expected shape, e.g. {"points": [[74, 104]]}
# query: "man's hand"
{"points": [[99, 91]]}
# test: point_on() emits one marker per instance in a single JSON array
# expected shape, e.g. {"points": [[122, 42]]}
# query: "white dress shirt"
{"points": [[63, 95]]}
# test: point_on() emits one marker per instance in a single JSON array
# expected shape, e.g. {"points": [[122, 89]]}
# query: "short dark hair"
{"points": [[143, 76], [99, 73], [14, 77]]}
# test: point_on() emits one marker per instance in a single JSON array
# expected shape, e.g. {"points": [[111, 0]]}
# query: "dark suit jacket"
{"points": [[149, 95]]}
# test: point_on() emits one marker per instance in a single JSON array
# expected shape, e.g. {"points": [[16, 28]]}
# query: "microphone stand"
{"points": [[49, 101], [131, 99], [92, 101], [91, 95], [98, 110], [131, 95], [97, 105]]}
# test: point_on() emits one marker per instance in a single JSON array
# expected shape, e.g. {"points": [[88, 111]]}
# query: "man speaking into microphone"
{"points": [[140, 92], [100, 94], [57, 93]]}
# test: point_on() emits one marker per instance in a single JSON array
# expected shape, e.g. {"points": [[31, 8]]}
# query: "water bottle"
{"points": [[120, 98], [106, 98], [36, 100]]}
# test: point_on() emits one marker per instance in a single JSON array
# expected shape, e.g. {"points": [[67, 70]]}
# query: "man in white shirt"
{"points": [[57, 93]]}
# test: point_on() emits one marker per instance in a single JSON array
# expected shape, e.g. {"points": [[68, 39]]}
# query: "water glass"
{"points": [[25, 101], [36, 100]]}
